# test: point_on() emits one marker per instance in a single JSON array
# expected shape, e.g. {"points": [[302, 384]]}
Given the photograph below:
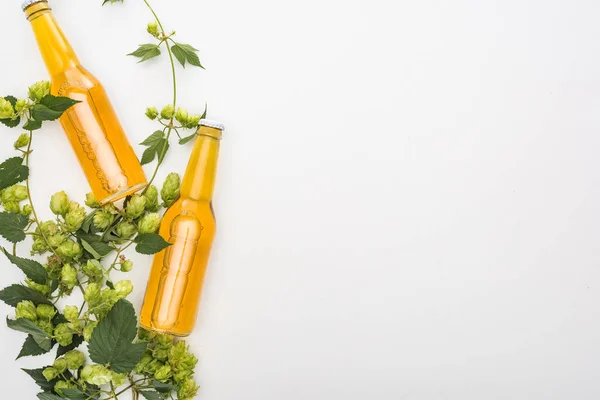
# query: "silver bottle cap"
{"points": [[212, 124], [28, 3]]}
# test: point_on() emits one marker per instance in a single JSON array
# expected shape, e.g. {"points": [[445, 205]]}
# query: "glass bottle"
{"points": [[92, 126], [173, 292]]}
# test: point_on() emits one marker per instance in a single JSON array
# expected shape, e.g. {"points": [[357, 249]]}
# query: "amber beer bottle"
{"points": [[92, 126], [175, 284]]}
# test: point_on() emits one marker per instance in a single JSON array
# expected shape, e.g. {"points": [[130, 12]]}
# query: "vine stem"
{"points": [[163, 151], [35, 215]]}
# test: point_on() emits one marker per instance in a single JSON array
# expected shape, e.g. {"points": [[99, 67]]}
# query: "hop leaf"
{"points": [[111, 341], [185, 52], [146, 52], [51, 108]]}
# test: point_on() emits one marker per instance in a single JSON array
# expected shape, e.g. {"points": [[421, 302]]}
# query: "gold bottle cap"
{"points": [[28, 3], [212, 124]]}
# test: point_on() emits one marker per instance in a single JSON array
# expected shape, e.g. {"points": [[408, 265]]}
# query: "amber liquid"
{"points": [[175, 285], [92, 126]]}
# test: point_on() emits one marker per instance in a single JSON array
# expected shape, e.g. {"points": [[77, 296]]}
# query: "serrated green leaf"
{"points": [[185, 52], [88, 247], [12, 226], [94, 241], [187, 139], [153, 139], [150, 243], [14, 294], [51, 107], [32, 269], [77, 341], [12, 171], [164, 387], [88, 222], [148, 156], [24, 325], [112, 339], [39, 378], [48, 396], [162, 150], [151, 395], [31, 348], [74, 394], [146, 52], [32, 125]]}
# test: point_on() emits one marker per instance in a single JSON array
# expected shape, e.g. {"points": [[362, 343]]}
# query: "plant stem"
{"points": [[163, 151], [35, 216]]}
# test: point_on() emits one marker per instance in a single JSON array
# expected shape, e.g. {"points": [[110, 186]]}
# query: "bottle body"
{"points": [[177, 275], [175, 284], [95, 133], [92, 126]]}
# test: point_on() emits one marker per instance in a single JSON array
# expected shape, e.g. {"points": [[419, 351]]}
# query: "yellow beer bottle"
{"points": [[173, 292], [92, 126]]}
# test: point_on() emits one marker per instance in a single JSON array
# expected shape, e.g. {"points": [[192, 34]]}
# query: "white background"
{"points": [[407, 198]]}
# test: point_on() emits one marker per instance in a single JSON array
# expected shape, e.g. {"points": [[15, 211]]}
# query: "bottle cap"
{"points": [[28, 3], [212, 124]]}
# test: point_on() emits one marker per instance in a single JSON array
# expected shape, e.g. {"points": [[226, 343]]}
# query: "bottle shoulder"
{"points": [[74, 80]]}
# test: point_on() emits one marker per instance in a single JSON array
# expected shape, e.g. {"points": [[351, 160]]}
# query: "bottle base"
{"points": [[122, 194], [165, 331]]}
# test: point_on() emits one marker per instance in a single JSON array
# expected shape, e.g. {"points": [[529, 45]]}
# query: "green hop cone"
{"points": [[167, 112], [143, 363], [12, 207], [27, 210], [126, 229], [163, 374], [93, 270], [90, 200], [193, 121], [118, 379], [70, 249], [123, 288], [16, 193], [178, 352], [71, 313], [92, 294], [47, 228], [153, 29], [20, 105], [146, 335], [182, 116], [89, 330], [151, 113], [187, 390], [151, 196], [26, 309], [152, 367], [170, 189], [149, 223], [96, 374], [60, 364], [75, 217], [43, 289], [75, 359], [126, 266], [54, 241], [39, 90], [136, 206], [68, 277], [165, 340], [6, 109], [59, 203], [63, 334], [46, 325], [45, 311], [160, 353], [103, 219], [181, 376], [50, 373], [22, 141]]}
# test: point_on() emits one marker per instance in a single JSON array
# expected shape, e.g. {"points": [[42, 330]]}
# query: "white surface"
{"points": [[408, 191]]}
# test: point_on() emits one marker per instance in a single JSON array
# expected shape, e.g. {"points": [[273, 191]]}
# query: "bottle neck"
{"points": [[199, 179], [54, 47]]}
